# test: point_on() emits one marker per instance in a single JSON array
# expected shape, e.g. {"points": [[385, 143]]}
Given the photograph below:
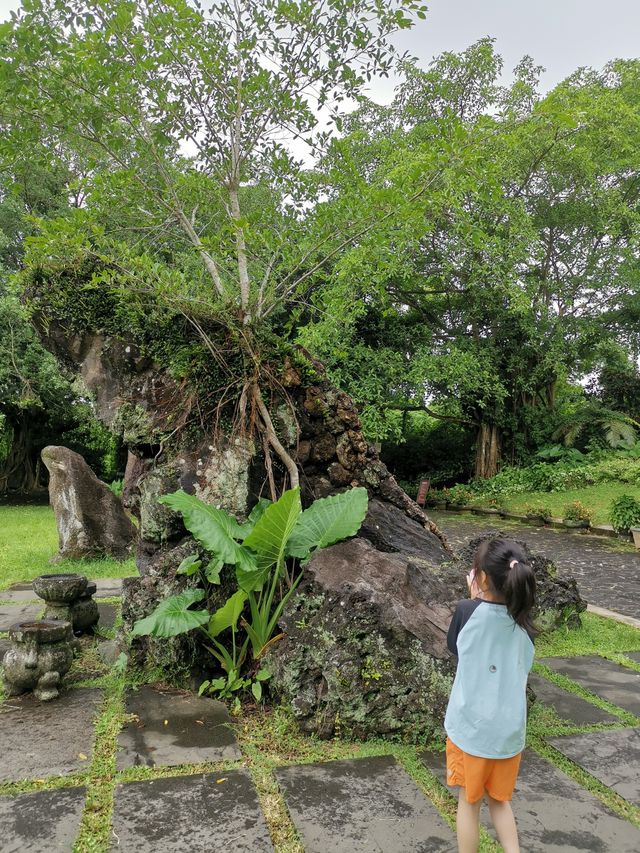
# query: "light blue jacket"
{"points": [[487, 711]]}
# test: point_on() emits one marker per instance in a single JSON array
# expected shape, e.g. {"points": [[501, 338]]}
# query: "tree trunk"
{"points": [[19, 473], [488, 451]]}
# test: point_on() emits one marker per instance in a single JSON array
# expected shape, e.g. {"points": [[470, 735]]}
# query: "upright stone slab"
{"points": [[612, 757], [108, 614], [12, 613], [617, 684], [47, 739], [567, 705], [171, 727], [41, 822], [362, 804], [190, 813], [554, 814]]}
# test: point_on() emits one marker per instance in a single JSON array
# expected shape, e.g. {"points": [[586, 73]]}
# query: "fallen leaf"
{"points": [[166, 722], [82, 756], [224, 779], [200, 722]]}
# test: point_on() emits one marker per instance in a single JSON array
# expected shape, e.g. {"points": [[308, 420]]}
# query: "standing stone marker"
{"points": [[554, 813], [610, 681], [612, 757], [90, 518], [12, 613], [567, 705], [174, 728], [190, 813], [41, 822], [47, 739], [362, 804]]}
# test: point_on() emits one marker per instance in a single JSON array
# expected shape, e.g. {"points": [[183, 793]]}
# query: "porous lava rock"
{"points": [[91, 520], [365, 647]]}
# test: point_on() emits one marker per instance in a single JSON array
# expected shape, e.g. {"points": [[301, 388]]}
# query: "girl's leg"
{"points": [[468, 824], [505, 824]]}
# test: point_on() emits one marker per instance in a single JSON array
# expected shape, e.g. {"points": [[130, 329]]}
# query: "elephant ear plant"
{"points": [[268, 553]]}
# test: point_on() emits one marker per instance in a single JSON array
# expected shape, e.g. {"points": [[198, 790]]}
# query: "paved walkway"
{"points": [[181, 780], [606, 577]]}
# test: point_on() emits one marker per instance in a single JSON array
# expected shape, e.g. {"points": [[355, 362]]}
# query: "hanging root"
{"points": [[274, 441]]}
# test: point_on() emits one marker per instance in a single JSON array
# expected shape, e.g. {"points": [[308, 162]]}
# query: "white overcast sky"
{"points": [[561, 35]]}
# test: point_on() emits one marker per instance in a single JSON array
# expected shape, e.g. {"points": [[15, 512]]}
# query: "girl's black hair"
{"points": [[505, 562]]}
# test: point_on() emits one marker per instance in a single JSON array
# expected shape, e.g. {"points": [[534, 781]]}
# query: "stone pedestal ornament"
{"points": [[40, 654], [69, 597]]}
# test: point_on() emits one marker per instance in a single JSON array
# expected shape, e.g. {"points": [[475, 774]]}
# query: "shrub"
{"points": [[538, 510], [577, 511], [624, 513]]}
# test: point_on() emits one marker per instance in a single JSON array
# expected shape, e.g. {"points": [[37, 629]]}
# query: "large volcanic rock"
{"points": [[365, 647], [90, 518]]}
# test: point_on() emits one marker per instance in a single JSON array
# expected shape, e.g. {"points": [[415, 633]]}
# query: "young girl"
{"points": [[492, 636]]}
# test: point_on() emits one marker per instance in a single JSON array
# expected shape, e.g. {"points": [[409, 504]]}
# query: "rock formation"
{"points": [[90, 518]]}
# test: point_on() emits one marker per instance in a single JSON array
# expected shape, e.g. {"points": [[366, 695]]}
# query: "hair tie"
{"points": [[512, 563]]}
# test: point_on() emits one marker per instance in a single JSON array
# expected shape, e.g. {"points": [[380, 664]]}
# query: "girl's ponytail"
{"points": [[512, 577], [519, 592]]}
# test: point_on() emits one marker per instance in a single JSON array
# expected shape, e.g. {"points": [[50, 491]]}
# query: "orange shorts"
{"points": [[496, 776]]}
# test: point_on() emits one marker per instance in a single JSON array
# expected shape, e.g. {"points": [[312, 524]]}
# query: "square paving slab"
{"points": [[18, 593], [612, 757], [41, 822], [633, 655], [108, 587], [11, 613], [41, 739], [554, 814], [190, 814], [362, 804], [568, 706], [174, 728], [606, 679]]}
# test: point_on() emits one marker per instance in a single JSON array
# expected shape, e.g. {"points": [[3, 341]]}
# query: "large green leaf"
{"points": [[172, 616], [328, 520], [271, 533], [254, 515], [214, 528], [227, 616]]}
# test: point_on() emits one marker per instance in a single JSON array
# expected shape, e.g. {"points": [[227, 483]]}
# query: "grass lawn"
{"points": [[28, 540], [597, 498]]}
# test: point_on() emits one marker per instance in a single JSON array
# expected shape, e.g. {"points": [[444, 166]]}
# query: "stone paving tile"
{"points": [[41, 739], [606, 577], [41, 822], [610, 681], [173, 728], [18, 593], [567, 705], [190, 814], [554, 814], [633, 655], [362, 804], [11, 613], [108, 587], [612, 757]]}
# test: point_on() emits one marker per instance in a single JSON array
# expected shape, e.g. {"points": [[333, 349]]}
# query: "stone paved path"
{"points": [[347, 806], [606, 577]]}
